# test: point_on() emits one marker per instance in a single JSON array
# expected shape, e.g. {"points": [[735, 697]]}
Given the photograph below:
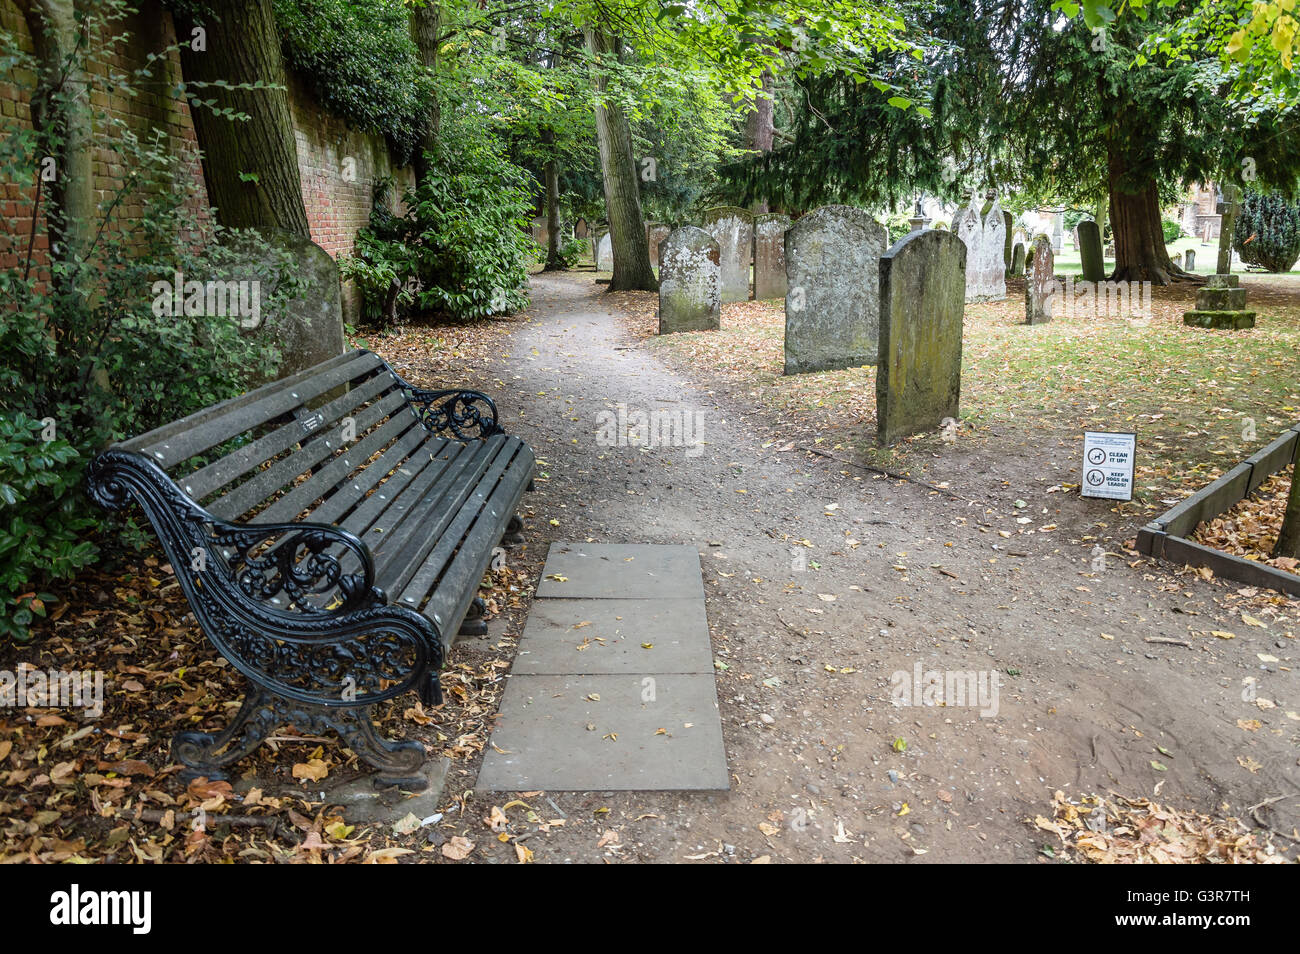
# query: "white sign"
{"points": [[1108, 465]]}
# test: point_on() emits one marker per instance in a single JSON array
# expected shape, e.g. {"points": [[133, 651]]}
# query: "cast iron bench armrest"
{"points": [[353, 651], [468, 415]]}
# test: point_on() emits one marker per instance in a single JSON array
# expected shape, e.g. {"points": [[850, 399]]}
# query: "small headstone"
{"points": [[922, 300], [832, 307], [733, 229], [1058, 231], [655, 233], [769, 255], [690, 282], [604, 253], [581, 229], [1088, 235], [1189, 260], [1040, 287], [1009, 245], [1018, 259]]}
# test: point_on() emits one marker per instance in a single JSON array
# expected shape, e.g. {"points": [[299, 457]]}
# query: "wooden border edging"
{"points": [[1165, 537]]}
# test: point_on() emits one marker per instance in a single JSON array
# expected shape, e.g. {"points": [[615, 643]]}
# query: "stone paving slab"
{"points": [[556, 733], [583, 636], [621, 571]]}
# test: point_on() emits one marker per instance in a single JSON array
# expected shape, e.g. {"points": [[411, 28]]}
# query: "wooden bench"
{"points": [[330, 531]]}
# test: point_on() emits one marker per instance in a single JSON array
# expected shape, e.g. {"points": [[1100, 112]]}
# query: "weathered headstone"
{"points": [[1058, 231], [832, 306], [1228, 210], [655, 232], [733, 229], [1040, 287], [581, 229], [604, 253], [1189, 260], [690, 282], [310, 328], [1018, 259], [1220, 303], [922, 299], [985, 238], [769, 255], [1094, 265], [1008, 244]]}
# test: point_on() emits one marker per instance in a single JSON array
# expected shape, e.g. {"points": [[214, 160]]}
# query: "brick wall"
{"points": [[336, 192]]}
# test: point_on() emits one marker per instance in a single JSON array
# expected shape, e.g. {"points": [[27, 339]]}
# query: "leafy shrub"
{"points": [[88, 343], [461, 249], [384, 273], [1267, 232], [42, 517], [361, 64], [1173, 230], [573, 250]]}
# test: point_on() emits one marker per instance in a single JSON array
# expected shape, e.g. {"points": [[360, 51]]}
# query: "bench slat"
{"points": [[173, 443], [208, 480]]}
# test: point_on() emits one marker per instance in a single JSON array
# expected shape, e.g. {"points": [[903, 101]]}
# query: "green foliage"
{"points": [[573, 250], [88, 343], [1173, 231], [383, 271], [361, 64], [462, 248], [1267, 232], [42, 518]]}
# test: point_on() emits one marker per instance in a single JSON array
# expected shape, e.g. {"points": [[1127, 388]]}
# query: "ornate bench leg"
{"points": [[514, 532], [262, 712], [474, 624]]}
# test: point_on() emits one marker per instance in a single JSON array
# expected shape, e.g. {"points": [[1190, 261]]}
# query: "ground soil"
{"points": [[824, 579]]}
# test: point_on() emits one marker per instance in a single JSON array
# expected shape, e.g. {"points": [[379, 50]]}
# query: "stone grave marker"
{"points": [[733, 229], [769, 255], [604, 253], [690, 282], [1089, 238], [922, 300], [1040, 285]]}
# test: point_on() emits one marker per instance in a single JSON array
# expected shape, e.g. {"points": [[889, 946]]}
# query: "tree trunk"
{"points": [[627, 232], [249, 166], [551, 173], [760, 131], [426, 21], [61, 117], [1100, 212], [1140, 254], [1288, 541]]}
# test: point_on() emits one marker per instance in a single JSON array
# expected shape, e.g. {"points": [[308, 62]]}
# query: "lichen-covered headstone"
{"points": [[1040, 286], [769, 255], [1189, 260], [655, 232], [604, 253], [690, 282], [1094, 265], [733, 229], [832, 304], [1008, 242], [1018, 259], [922, 300]]}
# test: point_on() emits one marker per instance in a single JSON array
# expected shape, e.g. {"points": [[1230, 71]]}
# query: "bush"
{"points": [[1267, 232], [573, 250], [462, 248], [1173, 231], [89, 350], [360, 63]]}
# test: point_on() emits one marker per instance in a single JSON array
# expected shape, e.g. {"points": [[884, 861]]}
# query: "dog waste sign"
{"points": [[1108, 465]]}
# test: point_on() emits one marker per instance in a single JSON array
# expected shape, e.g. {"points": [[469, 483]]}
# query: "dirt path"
{"points": [[896, 576]]}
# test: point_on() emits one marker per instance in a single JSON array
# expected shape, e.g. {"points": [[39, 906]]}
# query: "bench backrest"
{"points": [[275, 454]]}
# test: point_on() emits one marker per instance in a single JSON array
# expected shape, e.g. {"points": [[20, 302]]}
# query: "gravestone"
{"points": [[769, 255], [309, 329], [655, 232], [733, 229], [832, 306], [690, 282], [1189, 260], [604, 253], [1018, 260], [581, 229], [1040, 287], [1227, 209], [985, 238], [1008, 245], [922, 299], [1094, 267], [1058, 231], [1220, 303]]}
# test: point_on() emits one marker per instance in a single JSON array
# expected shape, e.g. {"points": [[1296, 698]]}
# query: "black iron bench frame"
{"points": [[294, 605]]}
